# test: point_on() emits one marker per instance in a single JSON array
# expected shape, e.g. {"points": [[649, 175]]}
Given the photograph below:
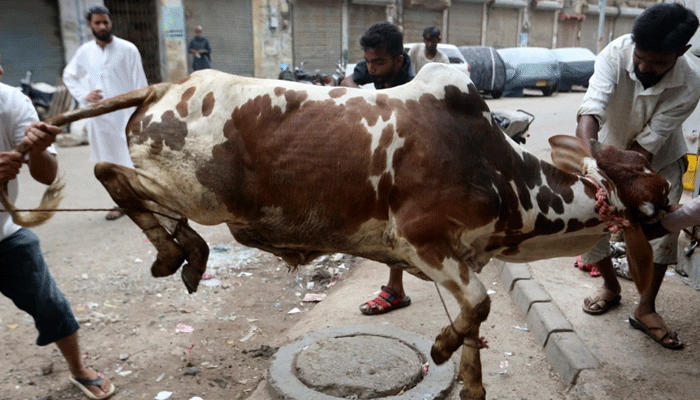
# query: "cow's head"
{"points": [[640, 193], [640, 189]]}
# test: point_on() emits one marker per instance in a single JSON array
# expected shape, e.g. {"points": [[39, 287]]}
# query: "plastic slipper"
{"points": [[590, 268], [83, 384], [605, 300], [655, 323], [386, 301]]}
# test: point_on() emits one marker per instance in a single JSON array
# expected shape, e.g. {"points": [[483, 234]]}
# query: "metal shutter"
{"points": [[31, 40], [415, 20], [502, 27], [134, 20], [317, 34], [228, 25], [623, 26], [464, 25], [361, 18], [541, 28], [589, 32]]}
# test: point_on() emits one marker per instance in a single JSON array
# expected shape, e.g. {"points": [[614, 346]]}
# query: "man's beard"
{"points": [[648, 79], [103, 35]]}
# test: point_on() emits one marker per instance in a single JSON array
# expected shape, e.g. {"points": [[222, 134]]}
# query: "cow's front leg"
{"points": [[118, 181]]}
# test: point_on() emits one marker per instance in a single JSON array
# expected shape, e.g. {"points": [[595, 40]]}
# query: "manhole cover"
{"points": [[359, 362], [344, 367]]}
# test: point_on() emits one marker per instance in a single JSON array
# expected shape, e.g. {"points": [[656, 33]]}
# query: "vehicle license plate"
{"points": [[541, 83]]}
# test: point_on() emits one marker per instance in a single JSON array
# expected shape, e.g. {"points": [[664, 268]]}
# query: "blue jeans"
{"points": [[26, 280]]}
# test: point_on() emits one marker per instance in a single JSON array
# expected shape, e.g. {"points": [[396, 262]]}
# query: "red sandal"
{"points": [[386, 301]]}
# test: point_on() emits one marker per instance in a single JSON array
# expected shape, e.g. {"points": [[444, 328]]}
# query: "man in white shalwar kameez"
{"points": [[105, 67]]}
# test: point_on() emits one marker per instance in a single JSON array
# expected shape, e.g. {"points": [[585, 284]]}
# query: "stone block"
{"points": [[526, 292], [512, 273], [568, 355], [545, 318]]}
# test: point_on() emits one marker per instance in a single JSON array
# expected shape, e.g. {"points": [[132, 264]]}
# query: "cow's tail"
{"points": [[52, 197]]}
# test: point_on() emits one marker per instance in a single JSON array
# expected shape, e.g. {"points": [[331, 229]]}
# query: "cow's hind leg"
{"points": [[118, 180], [196, 252]]}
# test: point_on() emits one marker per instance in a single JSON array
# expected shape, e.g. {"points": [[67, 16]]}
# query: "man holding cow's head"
{"points": [[386, 64], [643, 88]]}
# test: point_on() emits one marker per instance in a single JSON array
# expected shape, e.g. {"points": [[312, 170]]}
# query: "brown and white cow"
{"points": [[418, 176]]}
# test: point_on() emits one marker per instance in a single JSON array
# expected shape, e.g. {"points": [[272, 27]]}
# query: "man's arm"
{"points": [[207, 48], [72, 75], [42, 164], [587, 129], [591, 113], [349, 82]]}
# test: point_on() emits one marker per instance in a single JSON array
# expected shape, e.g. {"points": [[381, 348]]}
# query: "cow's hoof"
{"points": [[191, 277], [164, 267], [439, 356], [472, 393]]}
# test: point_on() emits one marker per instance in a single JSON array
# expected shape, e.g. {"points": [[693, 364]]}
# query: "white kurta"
{"points": [[627, 112], [116, 69], [419, 60]]}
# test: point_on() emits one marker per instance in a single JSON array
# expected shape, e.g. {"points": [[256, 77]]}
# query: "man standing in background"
{"points": [[427, 52], [200, 50], [104, 68]]}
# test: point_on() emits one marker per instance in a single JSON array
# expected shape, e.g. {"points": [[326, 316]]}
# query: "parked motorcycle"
{"points": [[301, 75], [339, 74], [514, 123], [40, 93]]}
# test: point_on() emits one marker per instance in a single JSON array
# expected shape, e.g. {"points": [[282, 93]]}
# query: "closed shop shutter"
{"points": [[317, 34], [133, 21], [623, 26], [502, 27], [589, 32], [228, 26], [464, 24], [415, 20], [541, 28], [361, 18], [31, 40]]}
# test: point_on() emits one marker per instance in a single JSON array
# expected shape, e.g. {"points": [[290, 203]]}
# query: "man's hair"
{"points": [[383, 35], [664, 28], [97, 10], [431, 32]]}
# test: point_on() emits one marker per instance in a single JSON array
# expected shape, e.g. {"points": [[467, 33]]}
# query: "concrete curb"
{"points": [[563, 348]]}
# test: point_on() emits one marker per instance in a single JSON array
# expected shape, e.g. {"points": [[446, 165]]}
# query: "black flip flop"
{"points": [[636, 324]]}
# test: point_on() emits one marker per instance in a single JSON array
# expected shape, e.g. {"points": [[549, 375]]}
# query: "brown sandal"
{"points": [[657, 330], [605, 300]]}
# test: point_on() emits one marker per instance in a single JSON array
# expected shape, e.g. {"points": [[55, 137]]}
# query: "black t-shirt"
{"points": [[361, 75]]}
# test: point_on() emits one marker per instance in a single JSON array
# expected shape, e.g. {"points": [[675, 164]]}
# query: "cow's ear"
{"points": [[568, 153], [640, 256]]}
